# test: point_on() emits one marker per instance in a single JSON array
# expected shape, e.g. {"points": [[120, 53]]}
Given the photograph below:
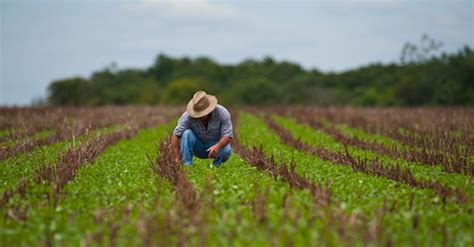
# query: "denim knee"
{"points": [[226, 152], [187, 134]]}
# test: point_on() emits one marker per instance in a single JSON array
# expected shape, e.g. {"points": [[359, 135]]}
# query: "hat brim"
{"points": [[209, 109]]}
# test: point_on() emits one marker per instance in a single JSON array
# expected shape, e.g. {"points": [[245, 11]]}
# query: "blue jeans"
{"points": [[191, 145]]}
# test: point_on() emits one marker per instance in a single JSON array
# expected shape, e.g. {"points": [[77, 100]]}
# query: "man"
{"points": [[204, 130]]}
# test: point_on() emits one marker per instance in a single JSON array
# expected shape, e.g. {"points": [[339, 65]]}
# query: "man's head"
{"points": [[201, 104]]}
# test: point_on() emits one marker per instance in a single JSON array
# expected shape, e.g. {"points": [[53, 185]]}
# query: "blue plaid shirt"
{"points": [[219, 125]]}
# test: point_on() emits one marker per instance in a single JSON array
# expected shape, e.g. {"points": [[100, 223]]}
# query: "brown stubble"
{"points": [[347, 226], [189, 209], [372, 167], [68, 123], [64, 170], [454, 161], [429, 140]]}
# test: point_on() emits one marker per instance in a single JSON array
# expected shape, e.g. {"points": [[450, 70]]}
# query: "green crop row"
{"points": [[38, 135], [235, 187], [390, 142], [361, 134], [367, 193], [25, 164], [420, 171], [119, 178], [118, 200]]}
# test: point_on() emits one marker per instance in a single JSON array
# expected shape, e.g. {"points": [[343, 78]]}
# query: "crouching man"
{"points": [[204, 130]]}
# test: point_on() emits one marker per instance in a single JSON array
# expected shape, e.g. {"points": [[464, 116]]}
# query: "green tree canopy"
{"points": [[179, 91], [424, 76]]}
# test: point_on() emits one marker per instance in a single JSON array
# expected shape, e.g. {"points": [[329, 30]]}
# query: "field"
{"points": [[298, 176]]}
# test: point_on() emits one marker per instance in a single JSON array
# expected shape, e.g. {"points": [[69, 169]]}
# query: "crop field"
{"points": [[297, 176]]}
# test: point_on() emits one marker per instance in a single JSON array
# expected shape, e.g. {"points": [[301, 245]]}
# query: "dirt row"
{"points": [[456, 160], [373, 167], [69, 123], [64, 170]]}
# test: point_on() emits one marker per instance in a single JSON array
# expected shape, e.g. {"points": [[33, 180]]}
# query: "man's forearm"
{"points": [[224, 141], [175, 146]]}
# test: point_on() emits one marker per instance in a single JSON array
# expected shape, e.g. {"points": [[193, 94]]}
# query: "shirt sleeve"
{"points": [[183, 124], [226, 124]]}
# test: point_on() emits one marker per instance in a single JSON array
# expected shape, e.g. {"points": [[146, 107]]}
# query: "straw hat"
{"points": [[201, 104]]}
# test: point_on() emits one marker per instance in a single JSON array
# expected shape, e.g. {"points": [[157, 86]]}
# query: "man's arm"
{"points": [[175, 147], [183, 124], [226, 132], [214, 149]]}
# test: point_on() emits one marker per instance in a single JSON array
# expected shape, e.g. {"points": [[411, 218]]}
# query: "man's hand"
{"points": [[175, 147], [213, 150]]}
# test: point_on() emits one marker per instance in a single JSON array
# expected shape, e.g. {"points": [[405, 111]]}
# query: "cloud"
{"points": [[185, 9]]}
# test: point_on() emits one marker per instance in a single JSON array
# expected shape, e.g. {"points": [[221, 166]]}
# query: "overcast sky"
{"points": [[45, 40]]}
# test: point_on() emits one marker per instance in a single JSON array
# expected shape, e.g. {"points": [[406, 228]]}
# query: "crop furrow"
{"points": [[65, 169], [442, 130], [95, 119], [424, 215], [455, 162], [333, 214], [372, 167], [28, 145], [24, 122], [188, 203], [70, 161], [172, 171], [257, 158], [426, 129], [321, 196]]}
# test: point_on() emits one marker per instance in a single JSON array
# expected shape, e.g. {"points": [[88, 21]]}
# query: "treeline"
{"points": [[445, 79]]}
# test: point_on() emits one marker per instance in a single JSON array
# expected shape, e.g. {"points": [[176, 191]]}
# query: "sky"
{"points": [[44, 40]]}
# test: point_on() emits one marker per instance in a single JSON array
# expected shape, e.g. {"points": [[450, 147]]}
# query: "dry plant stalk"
{"points": [[371, 167]]}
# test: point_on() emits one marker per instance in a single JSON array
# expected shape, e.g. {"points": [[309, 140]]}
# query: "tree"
{"points": [[425, 50], [257, 91], [70, 91], [163, 67], [421, 78], [181, 90]]}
